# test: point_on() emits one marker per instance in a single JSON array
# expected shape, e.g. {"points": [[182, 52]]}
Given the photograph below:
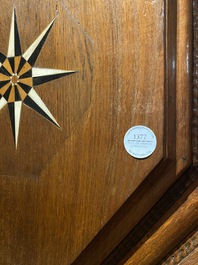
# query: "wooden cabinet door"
{"points": [[64, 171]]}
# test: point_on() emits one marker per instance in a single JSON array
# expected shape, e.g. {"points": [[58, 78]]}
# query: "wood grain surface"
{"points": [[185, 219], [184, 79], [156, 217], [131, 215], [195, 85], [186, 253], [60, 188]]}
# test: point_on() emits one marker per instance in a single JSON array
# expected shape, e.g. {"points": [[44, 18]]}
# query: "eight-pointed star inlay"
{"points": [[18, 77]]}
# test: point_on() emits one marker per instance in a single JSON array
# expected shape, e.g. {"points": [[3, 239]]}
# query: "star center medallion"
{"points": [[14, 79]]}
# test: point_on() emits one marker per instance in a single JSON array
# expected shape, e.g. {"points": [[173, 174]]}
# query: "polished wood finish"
{"points": [[166, 172], [167, 205], [168, 234], [71, 196], [184, 80], [195, 85]]}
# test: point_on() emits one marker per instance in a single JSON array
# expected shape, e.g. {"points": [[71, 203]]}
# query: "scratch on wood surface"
{"points": [[56, 7], [75, 20]]}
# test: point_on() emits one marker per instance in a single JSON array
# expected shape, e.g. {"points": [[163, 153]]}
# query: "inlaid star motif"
{"points": [[18, 77]]}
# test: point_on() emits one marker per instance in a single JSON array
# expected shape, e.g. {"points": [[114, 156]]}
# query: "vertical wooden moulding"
{"points": [[184, 86], [170, 78], [195, 84]]}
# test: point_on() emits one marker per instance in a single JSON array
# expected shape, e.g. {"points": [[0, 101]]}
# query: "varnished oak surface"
{"points": [[61, 187], [195, 87], [184, 79], [154, 219], [140, 202], [185, 219], [186, 253]]}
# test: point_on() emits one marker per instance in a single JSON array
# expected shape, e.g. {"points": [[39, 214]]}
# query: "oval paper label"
{"points": [[140, 141]]}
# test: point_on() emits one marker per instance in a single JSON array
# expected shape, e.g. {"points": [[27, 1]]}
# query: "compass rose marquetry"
{"points": [[18, 77]]}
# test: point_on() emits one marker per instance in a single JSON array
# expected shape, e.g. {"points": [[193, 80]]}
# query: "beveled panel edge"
{"points": [[180, 221], [173, 198]]}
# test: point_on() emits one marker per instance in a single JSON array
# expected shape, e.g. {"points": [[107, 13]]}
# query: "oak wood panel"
{"points": [[127, 217], [141, 201], [82, 175]]}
